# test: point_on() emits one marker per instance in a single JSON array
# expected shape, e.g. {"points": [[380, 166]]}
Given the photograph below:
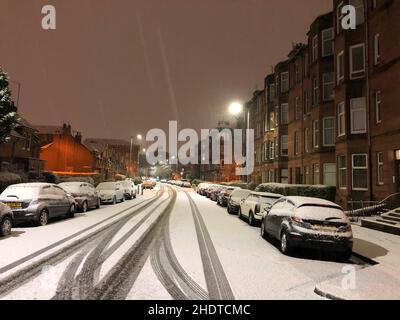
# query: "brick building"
{"points": [[328, 114]]}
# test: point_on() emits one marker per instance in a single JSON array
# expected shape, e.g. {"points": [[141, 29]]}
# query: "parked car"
{"points": [[223, 196], [214, 192], [202, 187], [235, 198], [310, 223], [187, 184], [254, 205], [38, 202], [110, 192], [85, 195], [129, 189], [6, 220], [149, 184]]}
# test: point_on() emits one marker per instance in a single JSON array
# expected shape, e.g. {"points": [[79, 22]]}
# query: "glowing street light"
{"points": [[235, 108], [139, 137]]}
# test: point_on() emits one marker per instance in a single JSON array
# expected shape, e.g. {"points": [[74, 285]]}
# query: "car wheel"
{"points": [[43, 218], [264, 233], [251, 219], [240, 216], [229, 209], [123, 199], [115, 200], [71, 212], [285, 244], [84, 206], [5, 227], [98, 204]]}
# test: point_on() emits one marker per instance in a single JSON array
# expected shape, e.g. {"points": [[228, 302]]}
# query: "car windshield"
{"points": [[20, 192], [106, 186], [70, 188], [320, 213], [269, 200], [241, 193]]}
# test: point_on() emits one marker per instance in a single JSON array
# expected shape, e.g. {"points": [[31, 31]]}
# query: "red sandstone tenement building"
{"points": [[329, 113]]}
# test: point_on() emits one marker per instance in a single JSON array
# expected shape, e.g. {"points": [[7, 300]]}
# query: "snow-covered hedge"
{"points": [[77, 179], [7, 179], [316, 191]]}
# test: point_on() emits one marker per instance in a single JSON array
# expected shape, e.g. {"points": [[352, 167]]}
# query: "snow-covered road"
{"points": [[168, 244]]}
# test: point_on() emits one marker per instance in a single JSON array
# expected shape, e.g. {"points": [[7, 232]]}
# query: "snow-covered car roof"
{"points": [[301, 201], [32, 184], [267, 194]]}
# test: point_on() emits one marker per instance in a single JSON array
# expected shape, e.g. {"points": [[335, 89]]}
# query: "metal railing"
{"points": [[362, 209]]}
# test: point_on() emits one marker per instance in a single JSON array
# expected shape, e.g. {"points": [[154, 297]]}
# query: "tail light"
{"points": [[299, 222], [344, 229]]}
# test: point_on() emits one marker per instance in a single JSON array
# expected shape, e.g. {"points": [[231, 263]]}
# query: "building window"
{"points": [[328, 80], [306, 102], [306, 178], [315, 139], [276, 142], [284, 114], [341, 119], [378, 104], [360, 172], [284, 146], [380, 168], [359, 6], [306, 146], [296, 143], [272, 92], [298, 108], [284, 82], [357, 61], [377, 49], [271, 176], [316, 179], [327, 42], [315, 92], [358, 116], [342, 172], [265, 151], [306, 71], [271, 150], [328, 131], [315, 48], [284, 176], [330, 174], [340, 67]]}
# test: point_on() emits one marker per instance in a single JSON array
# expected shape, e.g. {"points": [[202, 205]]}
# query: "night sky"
{"points": [[114, 68]]}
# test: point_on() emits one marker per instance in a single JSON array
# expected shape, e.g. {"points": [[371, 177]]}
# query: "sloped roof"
{"points": [[25, 123], [44, 129], [95, 144]]}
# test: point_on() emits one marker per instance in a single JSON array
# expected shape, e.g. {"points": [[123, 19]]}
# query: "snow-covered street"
{"points": [[170, 243]]}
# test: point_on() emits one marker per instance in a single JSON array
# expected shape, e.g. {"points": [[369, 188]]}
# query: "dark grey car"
{"points": [[6, 220], [308, 222], [85, 195], [38, 202]]}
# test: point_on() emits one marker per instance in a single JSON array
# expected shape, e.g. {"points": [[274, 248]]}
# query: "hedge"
{"points": [[8, 179], [315, 191]]}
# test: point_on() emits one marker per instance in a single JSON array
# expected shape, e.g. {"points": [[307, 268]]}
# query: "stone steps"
{"points": [[388, 222]]}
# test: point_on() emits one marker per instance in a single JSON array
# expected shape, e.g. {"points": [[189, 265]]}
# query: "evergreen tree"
{"points": [[8, 115]]}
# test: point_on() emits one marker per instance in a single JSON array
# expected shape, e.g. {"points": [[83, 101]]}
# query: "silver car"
{"points": [[38, 202]]}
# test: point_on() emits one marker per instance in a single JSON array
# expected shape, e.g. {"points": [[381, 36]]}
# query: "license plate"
{"points": [[324, 228], [14, 205]]}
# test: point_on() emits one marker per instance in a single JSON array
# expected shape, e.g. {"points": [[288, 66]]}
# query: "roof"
{"points": [[300, 201], [48, 129], [34, 184], [25, 123], [95, 144], [16, 134], [266, 194]]}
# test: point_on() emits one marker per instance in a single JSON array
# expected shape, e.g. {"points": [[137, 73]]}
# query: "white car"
{"points": [[129, 189], [254, 205], [110, 192], [235, 199]]}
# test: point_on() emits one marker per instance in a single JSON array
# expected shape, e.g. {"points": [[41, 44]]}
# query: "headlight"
{"points": [[345, 229]]}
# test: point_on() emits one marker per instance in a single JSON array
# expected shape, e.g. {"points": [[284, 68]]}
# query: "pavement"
{"points": [[379, 281]]}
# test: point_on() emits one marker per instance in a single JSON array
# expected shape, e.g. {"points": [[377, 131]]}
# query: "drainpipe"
{"points": [[368, 102]]}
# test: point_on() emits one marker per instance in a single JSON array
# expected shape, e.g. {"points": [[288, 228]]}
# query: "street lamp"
{"points": [[235, 108]]}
